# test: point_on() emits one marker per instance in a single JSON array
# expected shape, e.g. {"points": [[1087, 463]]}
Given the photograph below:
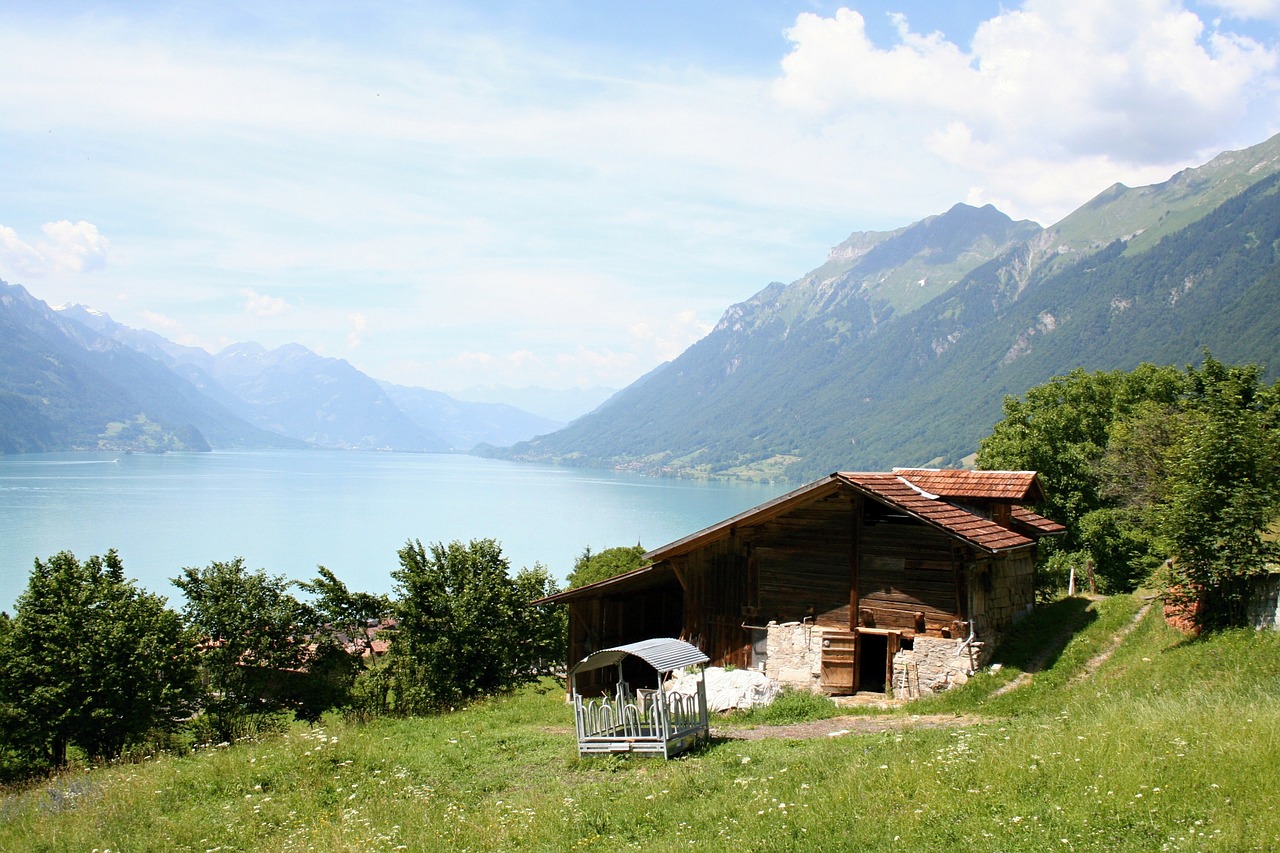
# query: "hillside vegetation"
{"points": [[900, 348], [1117, 741]]}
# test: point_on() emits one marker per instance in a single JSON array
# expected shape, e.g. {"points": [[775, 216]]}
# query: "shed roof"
{"points": [[1041, 525], [898, 491], [902, 493], [1010, 486], [663, 654]]}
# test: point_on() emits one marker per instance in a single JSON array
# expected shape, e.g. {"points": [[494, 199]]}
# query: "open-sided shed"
{"points": [[641, 719]]}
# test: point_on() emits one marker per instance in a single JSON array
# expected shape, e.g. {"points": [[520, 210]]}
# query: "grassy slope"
{"points": [[1171, 744]]}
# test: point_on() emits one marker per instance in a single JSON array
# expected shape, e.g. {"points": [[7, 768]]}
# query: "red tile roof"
{"points": [[929, 508], [1041, 525], [1010, 486]]}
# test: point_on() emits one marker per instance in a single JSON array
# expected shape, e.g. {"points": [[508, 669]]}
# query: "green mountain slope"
{"points": [[844, 369], [65, 387]]}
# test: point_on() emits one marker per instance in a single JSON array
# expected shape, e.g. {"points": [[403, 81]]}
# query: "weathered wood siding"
{"points": [[1003, 590], [908, 568], [602, 623], [803, 561], [715, 594]]}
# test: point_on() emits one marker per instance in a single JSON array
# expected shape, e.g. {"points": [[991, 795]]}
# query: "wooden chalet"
{"points": [[858, 581]]}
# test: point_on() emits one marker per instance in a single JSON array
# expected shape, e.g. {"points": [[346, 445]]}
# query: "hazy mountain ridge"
{"points": [[832, 373], [63, 386], [74, 379]]}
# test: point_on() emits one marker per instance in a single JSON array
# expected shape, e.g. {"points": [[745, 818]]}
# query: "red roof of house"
{"points": [[908, 495], [1010, 486], [898, 491], [904, 490], [1041, 525]]}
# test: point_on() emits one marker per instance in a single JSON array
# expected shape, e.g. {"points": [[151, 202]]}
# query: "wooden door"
{"points": [[839, 663]]}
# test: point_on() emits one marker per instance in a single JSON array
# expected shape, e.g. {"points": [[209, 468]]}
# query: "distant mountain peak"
{"points": [[900, 347]]}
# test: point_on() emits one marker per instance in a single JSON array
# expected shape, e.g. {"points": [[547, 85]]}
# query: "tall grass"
{"points": [[1172, 744]]}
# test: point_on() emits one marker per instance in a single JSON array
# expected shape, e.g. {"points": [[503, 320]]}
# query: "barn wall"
{"points": [[803, 562], [906, 569], [602, 623], [715, 580], [1003, 591]]}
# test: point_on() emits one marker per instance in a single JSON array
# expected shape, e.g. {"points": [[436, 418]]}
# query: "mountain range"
{"points": [[73, 379], [900, 348]]}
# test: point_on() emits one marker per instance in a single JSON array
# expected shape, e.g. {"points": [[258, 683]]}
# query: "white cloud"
{"points": [[74, 248], [66, 248], [1064, 88], [665, 342], [161, 321], [15, 255], [359, 325], [260, 305]]}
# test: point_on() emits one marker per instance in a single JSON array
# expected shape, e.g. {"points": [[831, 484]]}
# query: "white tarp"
{"points": [[730, 689]]}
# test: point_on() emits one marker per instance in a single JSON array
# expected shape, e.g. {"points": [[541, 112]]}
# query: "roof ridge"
{"points": [[922, 492]]}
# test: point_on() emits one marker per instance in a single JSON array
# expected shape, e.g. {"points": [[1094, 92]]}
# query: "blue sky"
{"points": [[563, 194]]}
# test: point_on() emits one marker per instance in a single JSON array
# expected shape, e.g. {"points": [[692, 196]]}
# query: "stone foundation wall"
{"points": [[932, 665], [795, 655], [935, 664]]}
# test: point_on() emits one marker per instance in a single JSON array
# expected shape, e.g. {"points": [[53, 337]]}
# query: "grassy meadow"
{"points": [[1168, 743]]}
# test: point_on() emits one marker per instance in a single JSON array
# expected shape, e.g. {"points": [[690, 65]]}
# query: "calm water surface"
{"points": [[288, 511]]}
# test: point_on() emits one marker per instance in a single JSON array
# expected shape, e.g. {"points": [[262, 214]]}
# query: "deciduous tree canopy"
{"points": [[91, 661], [1152, 464]]}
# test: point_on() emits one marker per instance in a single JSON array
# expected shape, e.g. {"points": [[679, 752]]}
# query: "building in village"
{"points": [[895, 581]]}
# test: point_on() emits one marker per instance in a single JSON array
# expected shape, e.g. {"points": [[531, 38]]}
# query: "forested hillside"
{"points": [[65, 387], [844, 369]]}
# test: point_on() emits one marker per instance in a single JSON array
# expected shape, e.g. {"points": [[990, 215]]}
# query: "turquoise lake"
{"points": [[288, 511]]}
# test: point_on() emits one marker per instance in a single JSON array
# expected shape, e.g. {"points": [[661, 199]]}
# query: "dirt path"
{"points": [[838, 726], [1101, 657], [1089, 668]]}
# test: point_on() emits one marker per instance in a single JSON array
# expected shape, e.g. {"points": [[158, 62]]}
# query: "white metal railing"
{"points": [[642, 714]]}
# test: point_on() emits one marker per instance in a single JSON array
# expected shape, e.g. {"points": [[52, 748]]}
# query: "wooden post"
{"points": [[853, 562], [1088, 565]]}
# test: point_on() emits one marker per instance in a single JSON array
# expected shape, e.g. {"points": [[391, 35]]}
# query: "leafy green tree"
{"points": [[611, 562], [343, 646], [256, 641], [1155, 463], [91, 661], [355, 615], [1065, 429], [465, 627], [544, 645], [1224, 490]]}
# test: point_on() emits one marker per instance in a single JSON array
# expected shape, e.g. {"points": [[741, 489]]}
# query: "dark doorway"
{"points": [[873, 656]]}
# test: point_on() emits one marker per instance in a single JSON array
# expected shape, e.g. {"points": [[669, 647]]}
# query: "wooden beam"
{"points": [[856, 523]]}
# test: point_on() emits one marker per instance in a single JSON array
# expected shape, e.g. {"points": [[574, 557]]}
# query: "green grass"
{"points": [[1172, 744]]}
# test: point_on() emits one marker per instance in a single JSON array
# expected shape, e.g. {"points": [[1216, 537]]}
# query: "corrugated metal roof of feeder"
{"points": [[663, 654]]}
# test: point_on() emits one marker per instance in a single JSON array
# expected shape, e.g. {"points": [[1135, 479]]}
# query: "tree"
{"points": [[343, 645], [255, 642], [1224, 492], [465, 627], [356, 615], [1156, 463], [1067, 429], [611, 562], [544, 643], [91, 661]]}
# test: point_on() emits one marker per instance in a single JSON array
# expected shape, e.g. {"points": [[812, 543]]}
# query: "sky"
{"points": [[564, 194]]}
